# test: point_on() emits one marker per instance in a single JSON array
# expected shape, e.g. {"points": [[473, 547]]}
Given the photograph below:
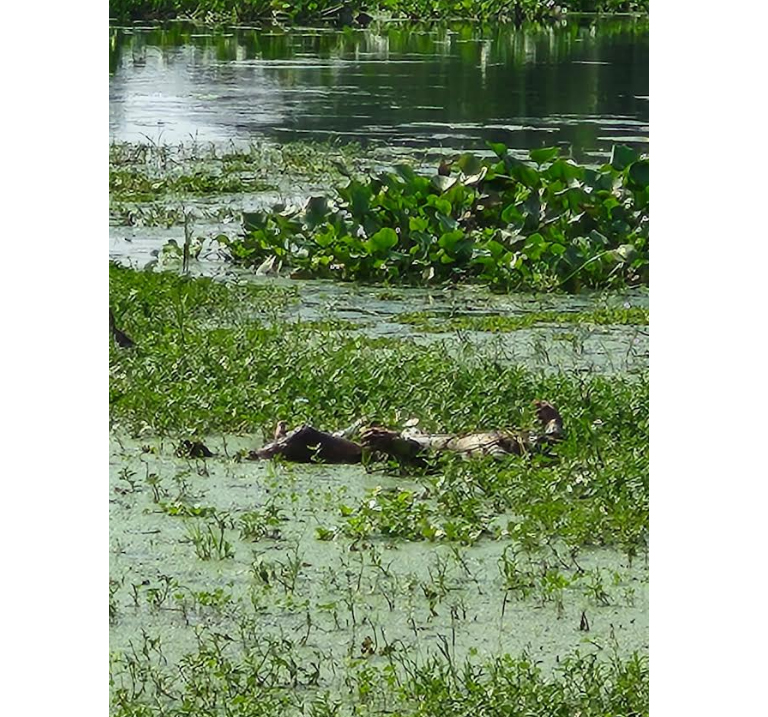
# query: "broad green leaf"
{"points": [[254, 220], [469, 164], [443, 184], [449, 240], [495, 248], [525, 174], [442, 205], [498, 148], [382, 241], [358, 196], [622, 156], [447, 223], [511, 214], [317, 210], [638, 173], [566, 170], [405, 171], [544, 155]]}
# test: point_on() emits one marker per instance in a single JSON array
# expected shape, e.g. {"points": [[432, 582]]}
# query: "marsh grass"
{"points": [[193, 376], [298, 635], [435, 322], [208, 536], [130, 185], [206, 364], [150, 181], [265, 677]]}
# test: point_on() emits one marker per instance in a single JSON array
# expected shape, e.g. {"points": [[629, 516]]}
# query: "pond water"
{"points": [[350, 593], [584, 83]]}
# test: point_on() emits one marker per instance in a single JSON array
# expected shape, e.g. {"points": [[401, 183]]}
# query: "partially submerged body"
{"points": [[307, 444]]}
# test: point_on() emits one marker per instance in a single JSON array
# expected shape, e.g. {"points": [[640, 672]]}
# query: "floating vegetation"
{"points": [[436, 322], [137, 186], [202, 370], [516, 585], [548, 225], [150, 182]]}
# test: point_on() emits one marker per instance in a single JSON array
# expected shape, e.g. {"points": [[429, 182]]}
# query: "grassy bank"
{"points": [[348, 13]]}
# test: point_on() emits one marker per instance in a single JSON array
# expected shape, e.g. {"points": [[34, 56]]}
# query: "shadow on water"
{"points": [[584, 83]]}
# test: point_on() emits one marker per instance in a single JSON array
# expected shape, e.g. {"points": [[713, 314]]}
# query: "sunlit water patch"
{"points": [[583, 83]]}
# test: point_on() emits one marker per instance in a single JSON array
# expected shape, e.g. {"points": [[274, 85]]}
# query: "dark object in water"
{"points": [[193, 449], [363, 19], [307, 444], [121, 338], [584, 624]]}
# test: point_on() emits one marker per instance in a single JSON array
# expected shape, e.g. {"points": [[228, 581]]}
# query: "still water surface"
{"points": [[456, 86]]}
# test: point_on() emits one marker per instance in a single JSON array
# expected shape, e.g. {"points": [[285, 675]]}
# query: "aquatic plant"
{"points": [[352, 13], [548, 224], [265, 523], [149, 182], [211, 366], [267, 679], [208, 537], [130, 185], [432, 321]]}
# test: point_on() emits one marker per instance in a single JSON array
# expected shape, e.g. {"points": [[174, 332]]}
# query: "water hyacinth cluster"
{"points": [[545, 224]]}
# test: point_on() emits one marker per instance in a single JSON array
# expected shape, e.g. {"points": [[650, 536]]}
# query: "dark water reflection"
{"points": [[455, 86]]}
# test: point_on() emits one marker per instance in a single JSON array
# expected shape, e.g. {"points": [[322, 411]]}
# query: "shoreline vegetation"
{"points": [[360, 13]]}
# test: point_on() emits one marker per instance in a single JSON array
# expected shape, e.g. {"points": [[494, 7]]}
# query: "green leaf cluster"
{"points": [[545, 224]]}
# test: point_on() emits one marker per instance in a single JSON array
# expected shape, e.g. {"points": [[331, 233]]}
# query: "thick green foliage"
{"points": [[548, 225], [345, 13]]}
